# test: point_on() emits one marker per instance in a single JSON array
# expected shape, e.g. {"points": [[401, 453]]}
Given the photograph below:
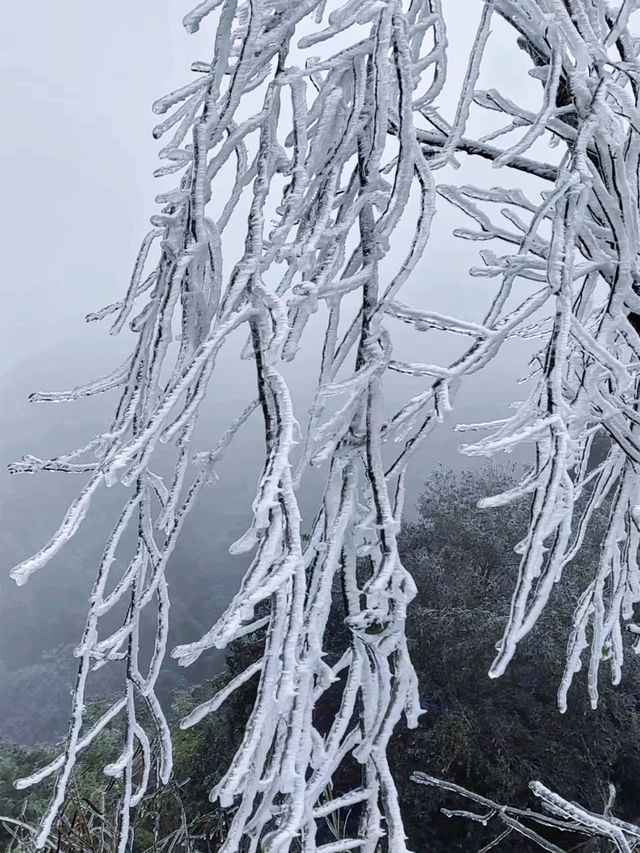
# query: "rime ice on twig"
{"points": [[559, 815]]}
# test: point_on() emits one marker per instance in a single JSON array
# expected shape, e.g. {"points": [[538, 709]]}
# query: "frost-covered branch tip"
{"points": [[559, 818]]}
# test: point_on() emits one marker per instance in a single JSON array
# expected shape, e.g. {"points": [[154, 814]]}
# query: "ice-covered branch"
{"points": [[325, 123], [559, 815]]}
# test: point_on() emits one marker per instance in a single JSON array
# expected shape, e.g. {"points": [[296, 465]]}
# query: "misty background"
{"points": [[77, 191]]}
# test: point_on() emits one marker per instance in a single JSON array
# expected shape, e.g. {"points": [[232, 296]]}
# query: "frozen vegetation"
{"points": [[318, 129]]}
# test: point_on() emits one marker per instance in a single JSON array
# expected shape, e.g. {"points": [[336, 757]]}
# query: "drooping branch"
{"points": [[335, 161]]}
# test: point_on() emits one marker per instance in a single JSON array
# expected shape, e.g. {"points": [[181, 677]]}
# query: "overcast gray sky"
{"points": [[78, 80]]}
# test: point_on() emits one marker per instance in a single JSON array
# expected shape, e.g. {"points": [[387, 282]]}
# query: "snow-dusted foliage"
{"points": [[559, 816], [322, 120]]}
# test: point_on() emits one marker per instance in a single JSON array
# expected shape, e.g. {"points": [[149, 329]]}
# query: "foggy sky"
{"points": [[78, 80], [77, 185]]}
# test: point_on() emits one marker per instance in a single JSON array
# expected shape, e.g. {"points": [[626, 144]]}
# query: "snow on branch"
{"points": [[559, 816]]}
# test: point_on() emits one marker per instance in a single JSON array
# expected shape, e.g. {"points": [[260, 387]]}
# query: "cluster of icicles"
{"points": [[342, 148]]}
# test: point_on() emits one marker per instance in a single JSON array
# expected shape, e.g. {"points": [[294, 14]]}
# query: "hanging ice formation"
{"points": [[340, 149]]}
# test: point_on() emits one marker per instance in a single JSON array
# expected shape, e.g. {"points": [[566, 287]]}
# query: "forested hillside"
{"points": [[490, 736]]}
